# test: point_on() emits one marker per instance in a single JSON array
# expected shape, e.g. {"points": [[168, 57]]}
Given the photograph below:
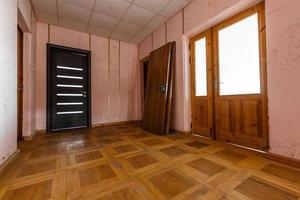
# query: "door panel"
{"points": [[202, 87], [68, 88], [159, 89], [241, 109], [251, 118]]}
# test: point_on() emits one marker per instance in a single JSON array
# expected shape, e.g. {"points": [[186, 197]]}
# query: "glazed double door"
{"points": [[228, 81]]}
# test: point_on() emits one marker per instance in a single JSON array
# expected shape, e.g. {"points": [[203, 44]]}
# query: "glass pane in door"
{"points": [[239, 69], [200, 68]]}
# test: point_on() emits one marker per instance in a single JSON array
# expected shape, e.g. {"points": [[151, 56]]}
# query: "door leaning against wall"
{"points": [[228, 79]]}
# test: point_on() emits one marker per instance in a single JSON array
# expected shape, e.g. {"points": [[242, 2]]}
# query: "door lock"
{"points": [[84, 93]]}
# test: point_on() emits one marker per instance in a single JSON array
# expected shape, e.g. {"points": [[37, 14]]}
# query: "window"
{"points": [[239, 67], [200, 68]]}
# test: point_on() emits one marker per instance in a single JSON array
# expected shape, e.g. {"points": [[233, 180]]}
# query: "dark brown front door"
{"points": [[20, 84], [68, 88], [159, 89]]}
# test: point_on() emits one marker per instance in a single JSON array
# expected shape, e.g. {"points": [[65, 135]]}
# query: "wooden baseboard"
{"points": [[283, 159], [116, 123], [9, 161]]}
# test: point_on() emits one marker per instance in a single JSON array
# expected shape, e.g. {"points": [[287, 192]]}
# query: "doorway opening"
{"points": [[145, 64], [20, 85]]}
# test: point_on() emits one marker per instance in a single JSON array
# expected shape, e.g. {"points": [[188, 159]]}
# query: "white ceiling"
{"points": [[125, 20]]}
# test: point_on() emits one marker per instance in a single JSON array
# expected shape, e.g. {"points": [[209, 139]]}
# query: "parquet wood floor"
{"points": [[127, 163]]}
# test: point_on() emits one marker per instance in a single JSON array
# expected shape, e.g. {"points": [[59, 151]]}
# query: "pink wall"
{"points": [[27, 23], [174, 33], [283, 47], [69, 38], [159, 37], [114, 80], [100, 86], [114, 65], [283, 32], [8, 79], [40, 105], [145, 47]]}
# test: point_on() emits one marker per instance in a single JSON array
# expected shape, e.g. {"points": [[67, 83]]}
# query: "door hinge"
{"points": [[190, 59]]}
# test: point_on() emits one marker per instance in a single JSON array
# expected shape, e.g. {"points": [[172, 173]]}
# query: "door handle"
{"points": [[163, 88], [84, 93], [217, 83]]}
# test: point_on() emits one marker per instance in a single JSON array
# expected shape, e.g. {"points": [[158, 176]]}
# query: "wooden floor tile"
{"points": [[259, 190], [96, 174], [177, 137], [197, 194], [125, 148], [152, 142], [35, 191], [123, 194], [229, 155], [283, 172], [125, 162], [205, 166], [171, 183], [37, 153], [173, 151], [110, 140], [142, 160], [84, 157], [197, 144], [36, 168]]}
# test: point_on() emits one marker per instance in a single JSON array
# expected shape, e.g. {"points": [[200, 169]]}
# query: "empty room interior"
{"points": [[149, 99]]}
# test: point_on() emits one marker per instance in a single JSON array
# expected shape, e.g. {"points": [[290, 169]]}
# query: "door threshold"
{"points": [[249, 148], [209, 138], [69, 128]]}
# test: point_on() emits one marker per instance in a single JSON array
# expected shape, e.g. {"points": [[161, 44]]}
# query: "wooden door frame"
{"points": [[48, 86], [20, 95], [146, 59], [260, 10]]}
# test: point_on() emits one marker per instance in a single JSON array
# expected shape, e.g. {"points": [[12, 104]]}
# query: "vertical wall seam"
{"points": [[182, 21], [152, 41], [90, 42], [49, 33], [109, 92], [166, 34], [119, 79], [184, 74]]}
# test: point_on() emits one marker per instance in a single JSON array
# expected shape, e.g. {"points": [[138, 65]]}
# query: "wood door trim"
{"points": [[20, 83], [49, 101], [261, 98]]}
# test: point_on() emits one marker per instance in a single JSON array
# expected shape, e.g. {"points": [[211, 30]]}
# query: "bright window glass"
{"points": [[239, 58], [200, 68]]}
